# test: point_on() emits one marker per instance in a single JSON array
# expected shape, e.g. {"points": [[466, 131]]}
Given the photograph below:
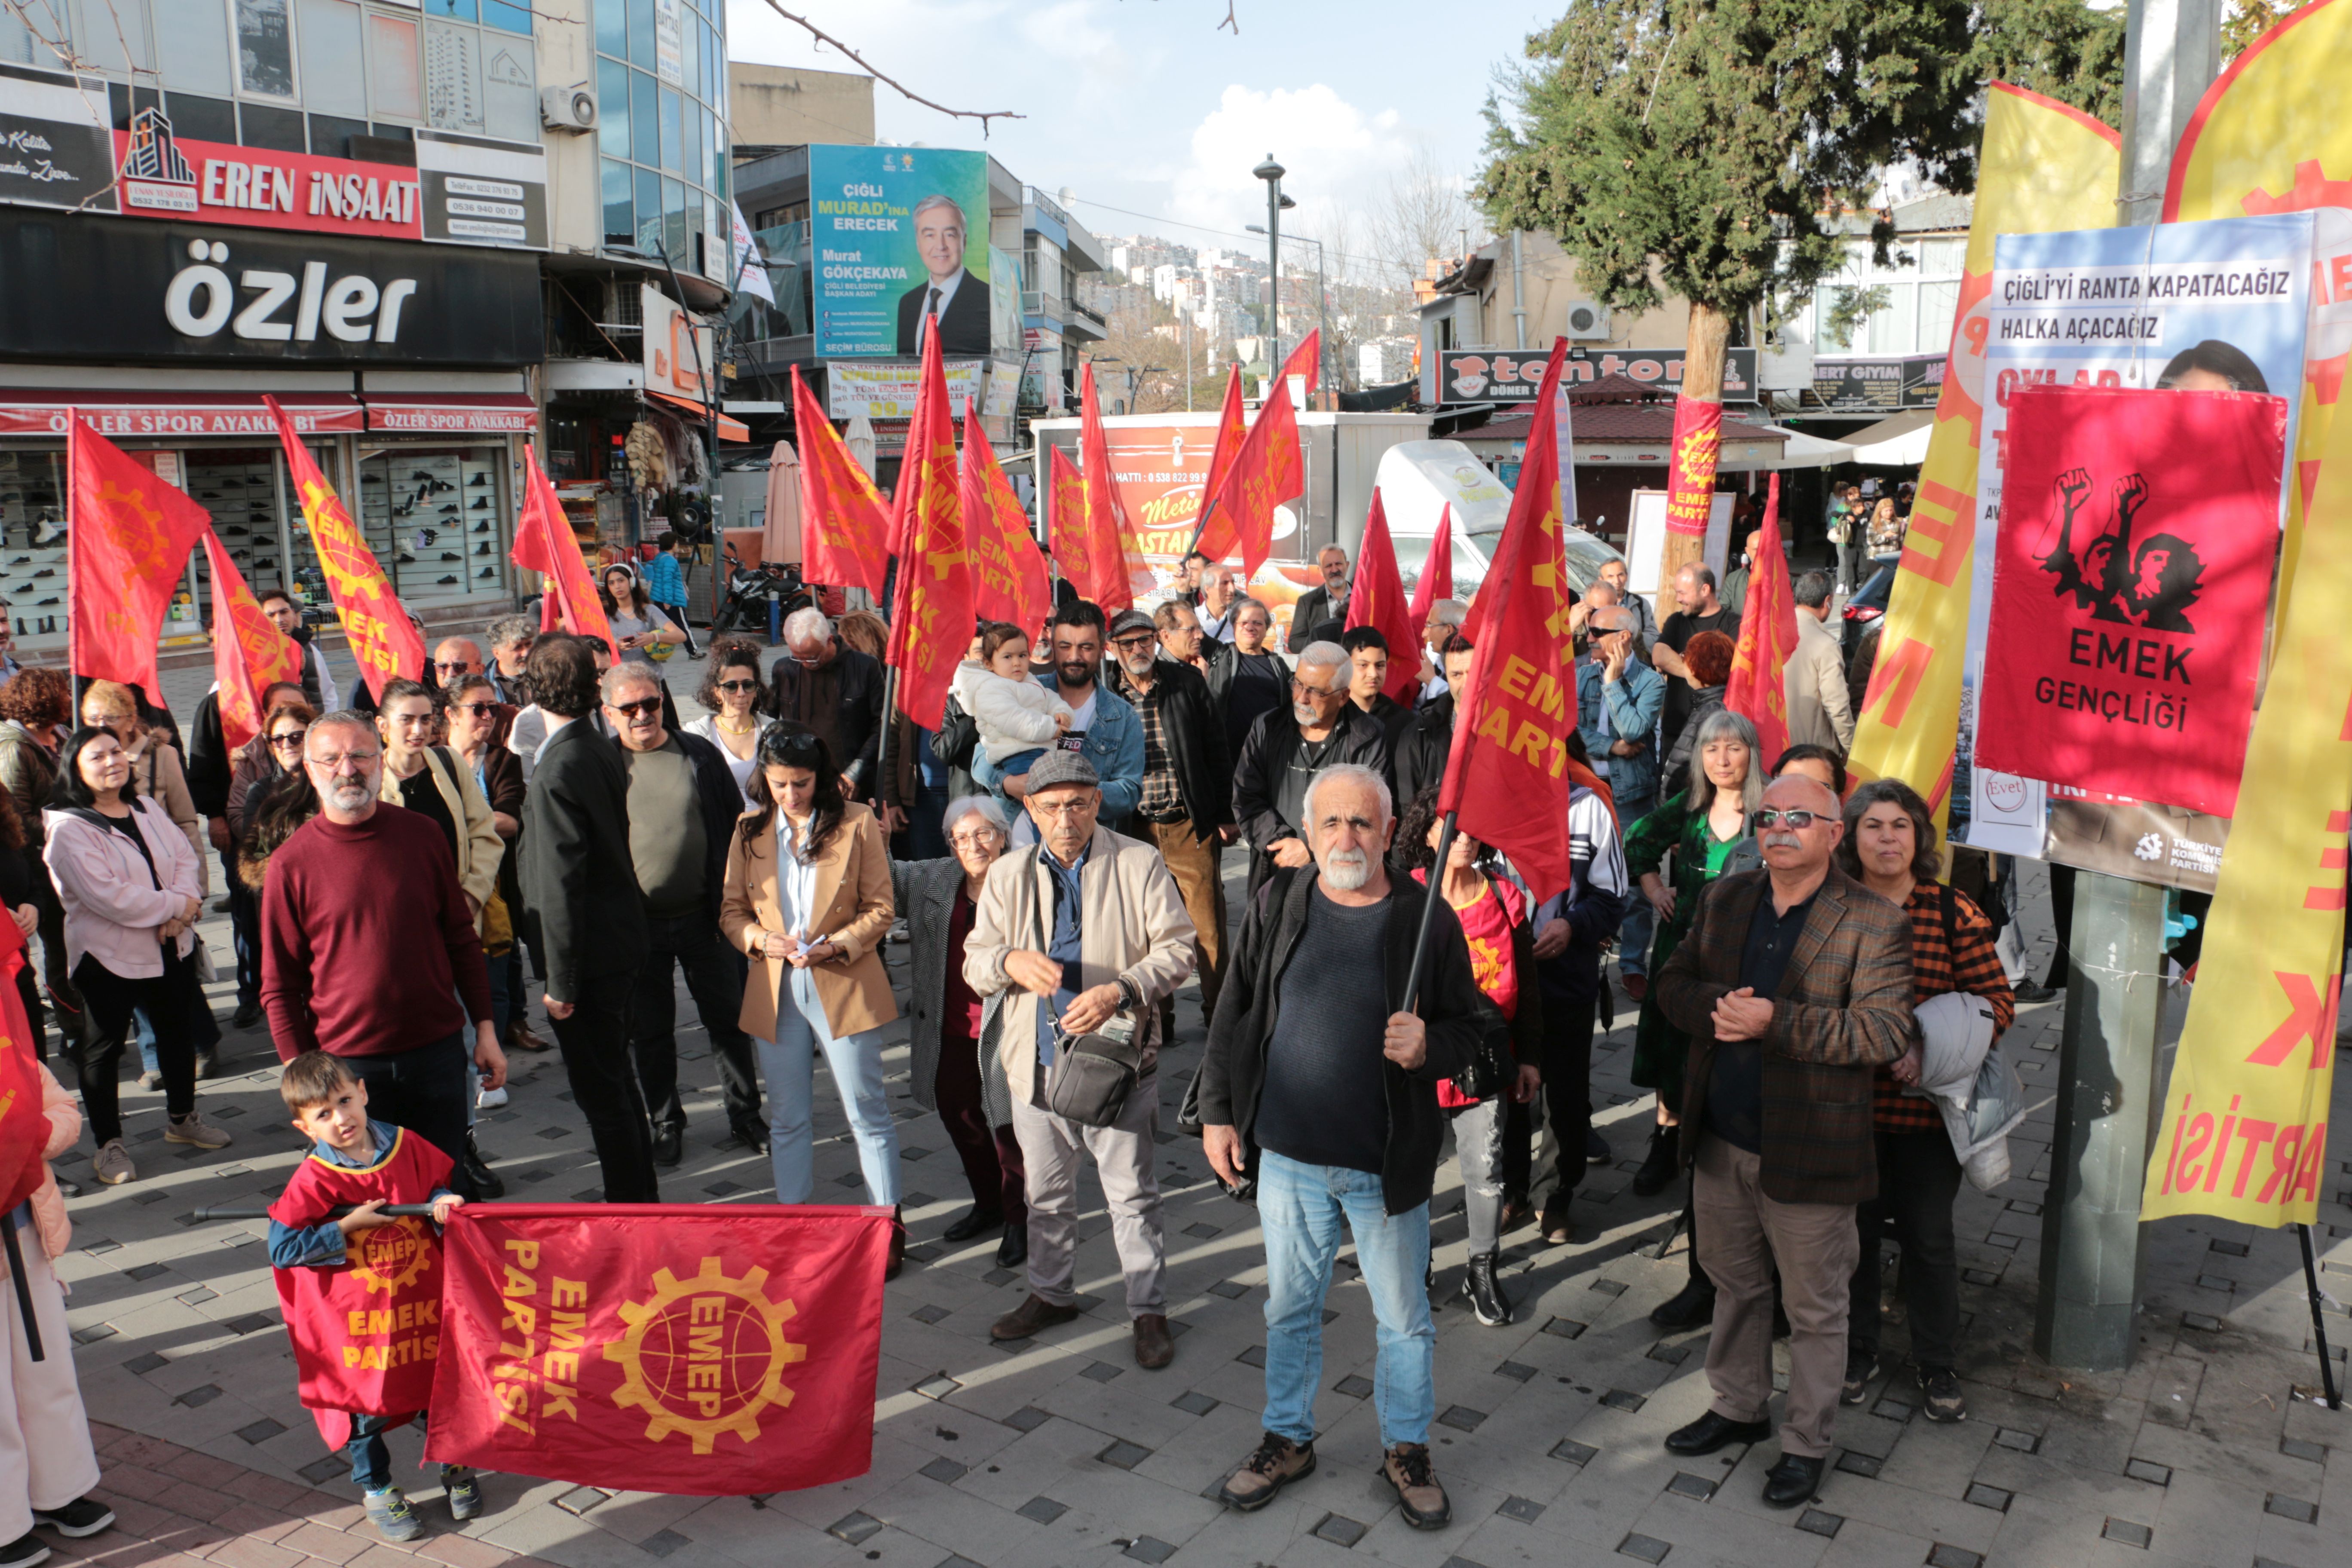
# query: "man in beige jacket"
{"points": [[1085, 928], [1821, 712]]}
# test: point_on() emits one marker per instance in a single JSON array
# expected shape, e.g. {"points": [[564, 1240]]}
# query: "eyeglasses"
{"points": [[644, 708], [982, 839], [333, 762], [1063, 808], [291, 738], [739, 686], [453, 666], [1298, 685], [1796, 816], [1137, 643], [473, 708]]}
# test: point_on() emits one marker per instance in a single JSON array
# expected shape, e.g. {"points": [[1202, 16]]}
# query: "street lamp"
{"points": [[1322, 295], [1272, 173]]}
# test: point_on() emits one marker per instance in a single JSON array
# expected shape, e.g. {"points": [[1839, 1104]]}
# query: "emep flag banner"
{"points": [[250, 655], [1008, 571], [384, 642], [2245, 1116], [2133, 575], [700, 1349], [124, 559], [930, 622], [1690, 482], [1768, 636]]}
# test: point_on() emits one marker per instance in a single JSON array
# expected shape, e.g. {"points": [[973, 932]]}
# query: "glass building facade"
{"points": [[661, 83]]}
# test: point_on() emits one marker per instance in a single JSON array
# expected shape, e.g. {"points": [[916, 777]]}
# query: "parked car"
{"points": [[1422, 481], [1867, 606]]}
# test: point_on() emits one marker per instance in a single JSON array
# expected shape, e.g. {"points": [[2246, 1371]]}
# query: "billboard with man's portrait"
{"points": [[898, 247]]}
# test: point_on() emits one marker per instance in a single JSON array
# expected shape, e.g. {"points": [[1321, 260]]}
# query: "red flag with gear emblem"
{"points": [[1120, 571], [930, 618], [250, 655], [545, 544], [845, 525], [125, 554], [384, 643], [1008, 571], [707, 1349], [1377, 600], [1768, 637]]}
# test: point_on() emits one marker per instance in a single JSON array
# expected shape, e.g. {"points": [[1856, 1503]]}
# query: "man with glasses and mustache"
{"points": [[1322, 728], [683, 804], [511, 639], [835, 692], [1794, 984], [369, 950], [1318, 1084]]}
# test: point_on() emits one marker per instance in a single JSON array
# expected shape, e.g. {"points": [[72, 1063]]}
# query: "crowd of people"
{"points": [[398, 872]]}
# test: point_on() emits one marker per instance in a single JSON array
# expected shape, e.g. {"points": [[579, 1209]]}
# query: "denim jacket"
{"points": [[1114, 744], [1635, 702]]}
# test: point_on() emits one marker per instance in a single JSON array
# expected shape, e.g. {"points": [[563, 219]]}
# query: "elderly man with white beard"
{"points": [[1319, 1087], [1794, 984]]}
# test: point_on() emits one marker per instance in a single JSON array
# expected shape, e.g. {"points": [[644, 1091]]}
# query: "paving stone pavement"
{"points": [[1060, 1451]]}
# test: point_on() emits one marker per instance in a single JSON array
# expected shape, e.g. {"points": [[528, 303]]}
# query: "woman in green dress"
{"points": [[1687, 838]]}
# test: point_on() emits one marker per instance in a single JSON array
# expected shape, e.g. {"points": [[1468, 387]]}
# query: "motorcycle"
{"points": [[760, 597]]}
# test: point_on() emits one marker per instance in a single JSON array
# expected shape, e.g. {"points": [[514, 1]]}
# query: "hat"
{"points": [[1059, 767], [1131, 621]]}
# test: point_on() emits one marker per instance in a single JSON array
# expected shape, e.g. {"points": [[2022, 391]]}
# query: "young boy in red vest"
{"points": [[362, 1293]]}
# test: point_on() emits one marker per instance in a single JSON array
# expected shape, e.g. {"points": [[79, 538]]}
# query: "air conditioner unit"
{"points": [[1587, 320], [568, 107]]}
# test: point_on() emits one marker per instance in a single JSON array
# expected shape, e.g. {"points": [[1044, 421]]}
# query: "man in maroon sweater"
{"points": [[367, 946]]}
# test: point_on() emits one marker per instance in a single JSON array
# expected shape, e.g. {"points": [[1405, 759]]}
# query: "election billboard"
{"points": [[899, 236]]}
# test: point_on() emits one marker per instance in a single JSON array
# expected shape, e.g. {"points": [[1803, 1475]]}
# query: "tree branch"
{"points": [[821, 36], [1230, 21]]}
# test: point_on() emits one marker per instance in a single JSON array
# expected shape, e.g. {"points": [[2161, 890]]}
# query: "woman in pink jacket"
{"points": [[47, 1463], [128, 879]]}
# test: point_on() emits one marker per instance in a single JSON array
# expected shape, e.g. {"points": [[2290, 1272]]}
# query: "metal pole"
{"points": [[2086, 1302], [1323, 320], [1518, 292], [1428, 914], [2318, 1324], [709, 398]]}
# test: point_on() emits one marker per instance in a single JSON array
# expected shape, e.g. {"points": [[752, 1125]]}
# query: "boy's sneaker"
{"points": [[388, 1512], [23, 1551], [465, 1489], [111, 1163], [490, 1098], [83, 1516], [1941, 1391], [193, 1129]]}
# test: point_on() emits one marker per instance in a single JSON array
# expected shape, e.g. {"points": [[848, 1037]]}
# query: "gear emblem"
{"points": [[705, 1354], [391, 1256], [2149, 848]]}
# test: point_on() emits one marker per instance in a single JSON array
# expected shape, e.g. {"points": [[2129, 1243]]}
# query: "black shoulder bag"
{"points": [[1093, 1073]]}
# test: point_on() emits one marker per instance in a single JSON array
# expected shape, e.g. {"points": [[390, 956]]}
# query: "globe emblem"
{"points": [[704, 1355], [390, 1256]]}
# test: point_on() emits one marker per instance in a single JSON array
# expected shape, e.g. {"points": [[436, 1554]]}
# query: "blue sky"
{"points": [[1146, 105]]}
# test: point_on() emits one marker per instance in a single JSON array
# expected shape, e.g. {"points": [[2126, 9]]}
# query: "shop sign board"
{"points": [[1874, 383], [161, 175], [477, 191], [887, 390], [136, 290], [893, 231], [1512, 376], [680, 354], [56, 145]]}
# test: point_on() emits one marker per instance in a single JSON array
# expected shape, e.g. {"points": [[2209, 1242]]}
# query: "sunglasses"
{"points": [[644, 708], [291, 738], [1139, 640], [453, 666], [739, 686], [472, 706], [1797, 817]]}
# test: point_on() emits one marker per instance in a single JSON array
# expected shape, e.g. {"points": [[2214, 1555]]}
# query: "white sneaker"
{"points": [[490, 1099]]}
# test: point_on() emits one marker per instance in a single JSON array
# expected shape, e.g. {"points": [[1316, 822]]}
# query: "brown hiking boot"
{"points": [[1419, 1497], [1031, 1317], [1277, 1463], [1154, 1347]]}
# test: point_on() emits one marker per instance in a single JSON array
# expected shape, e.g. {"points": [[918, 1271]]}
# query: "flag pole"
{"points": [[1429, 909], [2318, 1323]]}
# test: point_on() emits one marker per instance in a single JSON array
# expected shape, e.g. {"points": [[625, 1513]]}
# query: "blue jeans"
{"points": [[372, 1462], [1299, 1207], [1634, 930], [788, 1064]]}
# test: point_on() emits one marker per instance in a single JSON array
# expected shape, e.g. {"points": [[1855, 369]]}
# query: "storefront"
{"points": [[402, 365]]}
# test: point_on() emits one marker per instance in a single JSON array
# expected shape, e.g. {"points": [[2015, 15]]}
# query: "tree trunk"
{"points": [[1710, 328]]}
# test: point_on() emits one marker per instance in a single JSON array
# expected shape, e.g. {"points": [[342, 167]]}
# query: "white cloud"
{"points": [[1336, 155]]}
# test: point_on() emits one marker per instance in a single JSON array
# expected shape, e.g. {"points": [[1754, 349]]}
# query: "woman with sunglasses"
{"points": [[128, 879], [732, 692], [809, 902], [476, 716], [255, 766]]}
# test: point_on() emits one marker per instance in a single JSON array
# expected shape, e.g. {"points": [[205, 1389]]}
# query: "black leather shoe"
{"points": [[1711, 1432], [1014, 1251], [1658, 1166], [669, 1146], [976, 1222], [1793, 1481], [1692, 1305], [752, 1135], [248, 1014], [485, 1181]]}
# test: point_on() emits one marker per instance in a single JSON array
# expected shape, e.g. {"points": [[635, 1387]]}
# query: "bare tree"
{"points": [[1422, 211]]}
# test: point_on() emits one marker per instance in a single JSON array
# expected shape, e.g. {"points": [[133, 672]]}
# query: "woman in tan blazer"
{"points": [[808, 900]]}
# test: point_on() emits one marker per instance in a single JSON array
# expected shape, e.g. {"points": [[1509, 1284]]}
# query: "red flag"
{"points": [[1508, 774], [1232, 430], [844, 522], [1066, 525], [125, 554], [1436, 573], [1378, 601], [249, 653], [1690, 482], [1008, 572], [24, 1125], [1306, 361], [545, 543], [384, 641], [1768, 636], [1120, 573], [930, 621], [707, 1349], [1266, 471]]}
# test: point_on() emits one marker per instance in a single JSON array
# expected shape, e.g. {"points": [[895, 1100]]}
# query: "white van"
{"points": [[1419, 479]]}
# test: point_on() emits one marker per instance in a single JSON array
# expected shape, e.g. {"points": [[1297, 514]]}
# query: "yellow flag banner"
{"points": [[2044, 168], [2245, 1120], [2266, 138]]}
